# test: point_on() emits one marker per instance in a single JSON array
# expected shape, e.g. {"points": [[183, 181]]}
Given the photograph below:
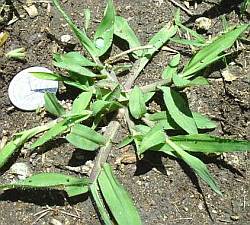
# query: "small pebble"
{"points": [[31, 10], [228, 76], [203, 23], [21, 170], [55, 222], [66, 38], [234, 217]]}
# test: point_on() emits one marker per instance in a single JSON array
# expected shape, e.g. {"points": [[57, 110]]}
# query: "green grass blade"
{"points": [[81, 102], [74, 58], [152, 138], [56, 130], [75, 68], [160, 38], [197, 165], [136, 103], [113, 94], [211, 52], [125, 32], [197, 81], [203, 122], [104, 34], [179, 110], [19, 139], [99, 106], [52, 105], [171, 69], [60, 127], [207, 144], [85, 138], [100, 204], [199, 37], [126, 141], [157, 41], [51, 181], [117, 199], [77, 84], [166, 121], [148, 95], [182, 82], [48, 76], [80, 34]]}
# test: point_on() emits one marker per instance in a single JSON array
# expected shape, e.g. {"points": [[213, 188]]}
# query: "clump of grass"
{"points": [[102, 93]]}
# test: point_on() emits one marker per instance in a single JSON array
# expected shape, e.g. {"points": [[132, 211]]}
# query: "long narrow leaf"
{"points": [[56, 130], [197, 165], [157, 41], [179, 110], [154, 137], [125, 32], [73, 58], [117, 199], [19, 139], [81, 102], [207, 144], [211, 52], [60, 127], [85, 138], [137, 105], [87, 17], [172, 67], [49, 76], [100, 204], [164, 118], [52, 105], [81, 35], [72, 185], [104, 33], [76, 68]]}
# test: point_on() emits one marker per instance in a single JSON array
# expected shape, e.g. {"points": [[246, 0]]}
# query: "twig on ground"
{"points": [[182, 7]]}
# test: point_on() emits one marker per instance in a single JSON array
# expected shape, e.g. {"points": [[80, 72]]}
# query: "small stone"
{"points": [[66, 38], [214, 211], [55, 222], [203, 23], [139, 182], [3, 142], [21, 170], [31, 10], [234, 217], [200, 206], [228, 76]]}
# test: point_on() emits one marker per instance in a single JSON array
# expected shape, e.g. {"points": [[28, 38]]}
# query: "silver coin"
{"points": [[26, 92]]}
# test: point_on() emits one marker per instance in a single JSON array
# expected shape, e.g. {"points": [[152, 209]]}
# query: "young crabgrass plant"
{"points": [[101, 93]]}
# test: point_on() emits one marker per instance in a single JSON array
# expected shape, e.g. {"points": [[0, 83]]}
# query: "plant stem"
{"points": [[137, 68], [112, 59], [128, 120], [103, 153], [154, 86]]}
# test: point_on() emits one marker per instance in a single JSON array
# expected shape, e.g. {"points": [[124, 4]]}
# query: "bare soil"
{"points": [[164, 190]]}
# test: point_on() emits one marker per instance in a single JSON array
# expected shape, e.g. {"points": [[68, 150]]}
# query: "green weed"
{"points": [[101, 93]]}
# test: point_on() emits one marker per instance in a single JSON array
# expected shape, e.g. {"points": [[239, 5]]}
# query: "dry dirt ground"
{"points": [[164, 190]]}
